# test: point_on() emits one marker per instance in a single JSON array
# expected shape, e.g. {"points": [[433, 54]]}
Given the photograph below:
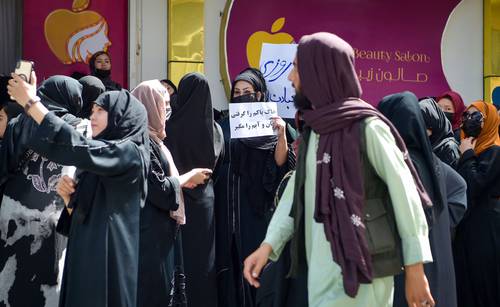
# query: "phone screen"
{"points": [[24, 69]]}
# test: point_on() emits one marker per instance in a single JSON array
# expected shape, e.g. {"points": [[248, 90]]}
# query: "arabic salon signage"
{"points": [[61, 36], [397, 43]]}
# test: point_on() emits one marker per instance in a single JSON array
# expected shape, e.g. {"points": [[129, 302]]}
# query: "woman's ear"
{"points": [[258, 96]]}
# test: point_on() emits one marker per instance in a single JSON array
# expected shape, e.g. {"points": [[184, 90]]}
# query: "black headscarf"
{"points": [[442, 139], [4, 95], [404, 112], [12, 109], [172, 85], [127, 121], [190, 129], [256, 79], [173, 97], [61, 95], [435, 120], [92, 88], [127, 118]]}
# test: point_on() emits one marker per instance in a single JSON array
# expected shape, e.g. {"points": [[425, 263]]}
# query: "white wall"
{"points": [[462, 50], [147, 40], [213, 17]]}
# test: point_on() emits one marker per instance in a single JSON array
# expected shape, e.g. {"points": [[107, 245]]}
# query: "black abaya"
{"points": [[404, 112], [245, 194], [157, 233], [195, 140], [477, 242], [101, 262]]}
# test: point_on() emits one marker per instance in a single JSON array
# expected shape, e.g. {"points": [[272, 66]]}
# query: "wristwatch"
{"points": [[30, 103]]}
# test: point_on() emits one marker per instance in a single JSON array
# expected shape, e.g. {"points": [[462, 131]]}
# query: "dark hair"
{"points": [[428, 97], [4, 95], [77, 75], [94, 57], [167, 81], [12, 109]]}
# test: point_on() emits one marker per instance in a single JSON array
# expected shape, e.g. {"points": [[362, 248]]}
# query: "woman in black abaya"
{"points": [[195, 141], [442, 138], [404, 112], [446, 149], [477, 243], [251, 172], [102, 215], [164, 209]]}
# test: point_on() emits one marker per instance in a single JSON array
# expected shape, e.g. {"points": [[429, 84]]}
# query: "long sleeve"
{"points": [[456, 194], [220, 152], [61, 143], [388, 162], [165, 194], [479, 173], [280, 229], [17, 135]]}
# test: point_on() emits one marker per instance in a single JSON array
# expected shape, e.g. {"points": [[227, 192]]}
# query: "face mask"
{"points": [[245, 98], [449, 116], [301, 102], [471, 124], [102, 74]]}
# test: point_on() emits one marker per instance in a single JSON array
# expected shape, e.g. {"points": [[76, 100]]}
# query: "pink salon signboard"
{"points": [[397, 42], [60, 36]]}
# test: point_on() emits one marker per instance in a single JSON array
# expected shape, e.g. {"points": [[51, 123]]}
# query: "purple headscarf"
{"points": [[328, 79]]}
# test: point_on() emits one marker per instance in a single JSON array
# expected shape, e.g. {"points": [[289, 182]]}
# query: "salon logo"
{"points": [[255, 41], [74, 36], [389, 55]]}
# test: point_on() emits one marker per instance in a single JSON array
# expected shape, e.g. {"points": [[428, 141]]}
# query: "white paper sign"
{"points": [[252, 119], [276, 62]]}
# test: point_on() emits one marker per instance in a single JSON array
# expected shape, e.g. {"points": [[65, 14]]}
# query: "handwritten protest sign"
{"points": [[276, 62], [252, 119]]}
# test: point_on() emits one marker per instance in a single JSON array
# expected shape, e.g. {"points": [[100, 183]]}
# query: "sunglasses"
{"points": [[476, 116]]}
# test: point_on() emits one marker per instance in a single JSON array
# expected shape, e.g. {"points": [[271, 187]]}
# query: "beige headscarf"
{"points": [[154, 96]]}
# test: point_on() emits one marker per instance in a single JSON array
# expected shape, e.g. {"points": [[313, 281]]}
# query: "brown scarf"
{"points": [[328, 79]]}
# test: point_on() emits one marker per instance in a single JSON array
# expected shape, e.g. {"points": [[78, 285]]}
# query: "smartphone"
{"points": [[24, 69]]}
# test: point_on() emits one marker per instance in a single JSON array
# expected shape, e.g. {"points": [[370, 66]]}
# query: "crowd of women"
{"points": [[164, 207]]}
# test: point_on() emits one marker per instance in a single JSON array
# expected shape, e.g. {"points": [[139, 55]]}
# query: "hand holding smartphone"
{"points": [[23, 73], [24, 70]]}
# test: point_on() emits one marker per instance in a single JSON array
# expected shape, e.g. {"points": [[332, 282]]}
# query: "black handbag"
{"points": [[178, 297]]}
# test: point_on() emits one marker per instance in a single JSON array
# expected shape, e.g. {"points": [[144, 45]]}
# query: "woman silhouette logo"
{"points": [[74, 36]]}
